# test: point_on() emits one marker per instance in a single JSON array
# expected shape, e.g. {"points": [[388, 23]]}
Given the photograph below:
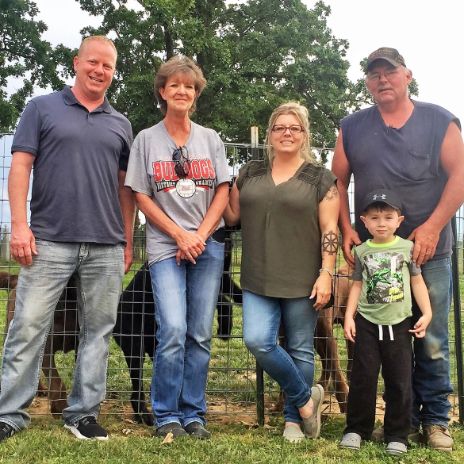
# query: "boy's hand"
{"points": [[421, 325], [349, 328]]}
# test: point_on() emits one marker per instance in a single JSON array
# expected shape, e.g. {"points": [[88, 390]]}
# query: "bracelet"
{"points": [[326, 270]]}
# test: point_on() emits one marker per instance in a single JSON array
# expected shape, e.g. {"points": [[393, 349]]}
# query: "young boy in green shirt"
{"points": [[381, 299]]}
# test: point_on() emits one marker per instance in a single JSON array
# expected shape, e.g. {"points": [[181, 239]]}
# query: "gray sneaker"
{"points": [[351, 440], [414, 435], [293, 434], [396, 448], [312, 424]]}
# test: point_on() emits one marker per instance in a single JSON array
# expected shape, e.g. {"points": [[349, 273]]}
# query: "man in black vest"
{"points": [[415, 149]]}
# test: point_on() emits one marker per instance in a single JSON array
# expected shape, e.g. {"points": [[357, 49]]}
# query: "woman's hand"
{"points": [[321, 291], [190, 244]]}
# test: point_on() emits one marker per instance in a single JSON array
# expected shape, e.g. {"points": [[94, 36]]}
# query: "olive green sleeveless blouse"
{"points": [[281, 239]]}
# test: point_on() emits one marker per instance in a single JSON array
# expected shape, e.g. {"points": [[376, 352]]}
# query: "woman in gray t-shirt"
{"points": [[178, 171]]}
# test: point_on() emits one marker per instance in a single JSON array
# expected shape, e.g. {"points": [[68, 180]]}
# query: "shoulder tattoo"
{"points": [[332, 193]]}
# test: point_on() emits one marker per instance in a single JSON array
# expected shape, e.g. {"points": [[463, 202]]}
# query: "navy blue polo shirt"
{"points": [[78, 155]]}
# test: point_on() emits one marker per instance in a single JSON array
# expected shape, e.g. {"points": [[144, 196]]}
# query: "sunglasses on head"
{"points": [[180, 157]]}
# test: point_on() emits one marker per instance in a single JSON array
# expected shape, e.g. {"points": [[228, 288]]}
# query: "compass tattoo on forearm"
{"points": [[329, 243]]}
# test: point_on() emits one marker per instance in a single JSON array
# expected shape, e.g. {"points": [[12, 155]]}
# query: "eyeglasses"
{"points": [[294, 129], [180, 157], [388, 74]]}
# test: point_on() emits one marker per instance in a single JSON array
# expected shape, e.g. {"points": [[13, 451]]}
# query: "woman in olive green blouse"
{"points": [[288, 209]]}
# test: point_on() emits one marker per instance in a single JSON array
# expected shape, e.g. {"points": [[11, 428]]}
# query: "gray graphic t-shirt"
{"points": [[385, 271], [151, 171]]}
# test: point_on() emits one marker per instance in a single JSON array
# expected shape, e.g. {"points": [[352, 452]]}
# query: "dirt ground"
{"points": [[224, 412]]}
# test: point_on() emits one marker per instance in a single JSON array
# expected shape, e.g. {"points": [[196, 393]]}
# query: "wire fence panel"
{"points": [[235, 391]]}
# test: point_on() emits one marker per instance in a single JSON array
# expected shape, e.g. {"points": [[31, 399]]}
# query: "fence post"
{"points": [[457, 322], [259, 394], [254, 138]]}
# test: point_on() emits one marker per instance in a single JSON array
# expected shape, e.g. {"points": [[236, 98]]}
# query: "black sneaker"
{"points": [[197, 430], [172, 427], [6, 431], [88, 429]]}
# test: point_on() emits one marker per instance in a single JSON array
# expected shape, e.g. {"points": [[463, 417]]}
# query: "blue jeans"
{"points": [[292, 368], [185, 298], [431, 377], [100, 269]]}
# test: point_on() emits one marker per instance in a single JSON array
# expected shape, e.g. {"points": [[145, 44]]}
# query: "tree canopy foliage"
{"points": [[24, 56], [254, 54]]}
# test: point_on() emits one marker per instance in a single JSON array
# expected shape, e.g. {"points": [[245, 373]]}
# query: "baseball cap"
{"points": [[385, 53], [382, 196]]}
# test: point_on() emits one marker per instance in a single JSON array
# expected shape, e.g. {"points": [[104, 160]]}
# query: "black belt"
{"points": [[219, 235]]}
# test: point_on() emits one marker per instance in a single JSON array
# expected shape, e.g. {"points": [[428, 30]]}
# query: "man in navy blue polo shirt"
{"points": [[81, 220]]}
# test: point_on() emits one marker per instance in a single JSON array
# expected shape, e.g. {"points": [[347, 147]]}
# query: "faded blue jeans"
{"points": [[100, 269], [293, 367], [431, 376], [185, 298]]}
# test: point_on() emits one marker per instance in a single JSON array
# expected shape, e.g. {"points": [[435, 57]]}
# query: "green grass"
{"points": [[231, 396], [47, 442]]}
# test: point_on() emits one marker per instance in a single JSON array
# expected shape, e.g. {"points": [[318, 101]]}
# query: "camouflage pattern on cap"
{"points": [[391, 55]]}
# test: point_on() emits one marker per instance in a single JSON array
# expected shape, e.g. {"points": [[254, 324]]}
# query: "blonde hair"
{"points": [[302, 114], [97, 38], [178, 64]]}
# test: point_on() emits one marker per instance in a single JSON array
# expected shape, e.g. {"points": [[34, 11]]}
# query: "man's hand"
{"points": [[425, 240], [22, 244], [128, 257], [350, 238]]}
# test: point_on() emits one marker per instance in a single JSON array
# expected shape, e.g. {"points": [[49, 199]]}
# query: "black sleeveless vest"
{"points": [[406, 160]]}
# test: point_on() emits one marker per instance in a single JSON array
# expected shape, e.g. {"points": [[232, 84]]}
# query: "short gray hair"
{"points": [[178, 64]]}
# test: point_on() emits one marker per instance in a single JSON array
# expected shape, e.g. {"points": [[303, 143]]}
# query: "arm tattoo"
{"points": [[329, 242], [332, 193]]}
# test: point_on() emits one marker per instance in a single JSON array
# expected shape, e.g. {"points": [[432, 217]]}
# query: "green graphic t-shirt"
{"points": [[385, 270]]}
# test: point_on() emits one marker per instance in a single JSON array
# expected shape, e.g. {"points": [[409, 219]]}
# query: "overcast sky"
{"points": [[428, 33]]}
